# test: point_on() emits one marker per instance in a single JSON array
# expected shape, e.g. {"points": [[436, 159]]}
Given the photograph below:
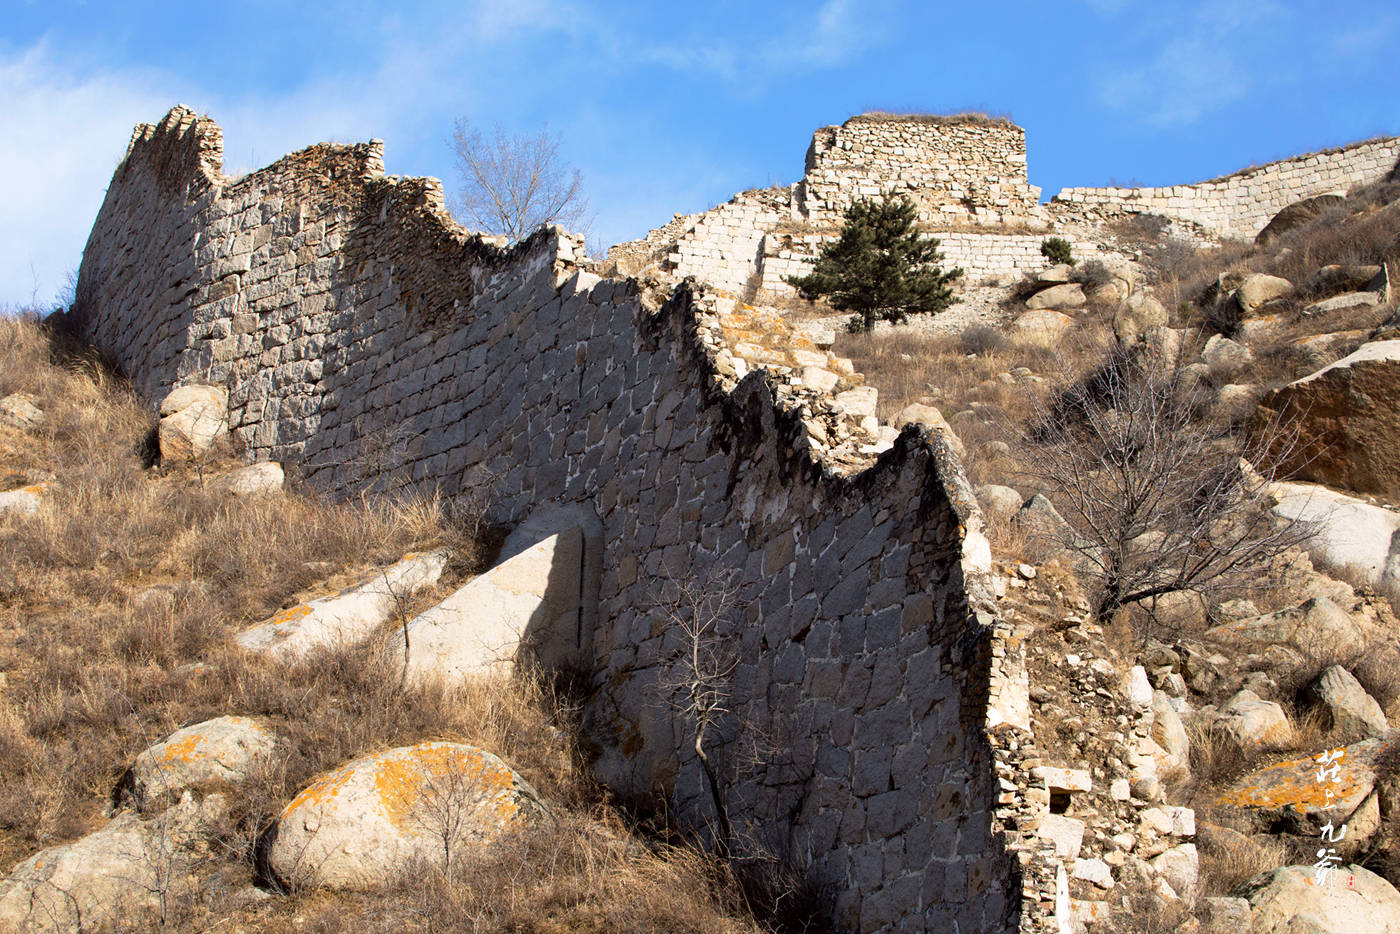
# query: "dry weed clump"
{"points": [[117, 603]]}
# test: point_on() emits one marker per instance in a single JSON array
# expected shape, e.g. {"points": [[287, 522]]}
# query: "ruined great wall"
{"points": [[692, 438]]}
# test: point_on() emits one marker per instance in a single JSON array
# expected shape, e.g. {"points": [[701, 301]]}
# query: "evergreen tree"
{"points": [[881, 267]]}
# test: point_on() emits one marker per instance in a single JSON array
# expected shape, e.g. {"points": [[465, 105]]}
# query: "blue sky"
{"points": [[671, 107]]}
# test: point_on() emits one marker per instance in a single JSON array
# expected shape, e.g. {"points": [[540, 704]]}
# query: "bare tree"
{"points": [[702, 672], [512, 185], [1158, 498]]}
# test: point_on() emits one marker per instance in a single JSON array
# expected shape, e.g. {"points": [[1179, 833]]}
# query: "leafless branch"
{"points": [[512, 185]]}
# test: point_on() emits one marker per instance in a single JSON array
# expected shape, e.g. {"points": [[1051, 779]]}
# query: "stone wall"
{"points": [[1239, 205], [350, 315], [957, 170]]}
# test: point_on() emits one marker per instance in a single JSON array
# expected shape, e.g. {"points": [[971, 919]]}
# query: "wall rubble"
{"points": [[345, 308]]}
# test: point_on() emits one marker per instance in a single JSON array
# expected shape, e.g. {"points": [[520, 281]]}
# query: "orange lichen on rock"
{"points": [[405, 779], [290, 615], [1294, 785], [321, 790]]}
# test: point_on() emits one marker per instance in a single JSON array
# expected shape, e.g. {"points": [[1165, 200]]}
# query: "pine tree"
{"points": [[881, 267]]}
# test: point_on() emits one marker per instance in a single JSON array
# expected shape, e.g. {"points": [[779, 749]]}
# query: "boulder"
{"points": [[1297, 214], [1042, 327], [1350, 537], [1347, 417], [1320, 350], [528, 603], [1343, 302], [182, 397], [265, 477], [933, 420], [1252, 722], [1289, 794], [1226, 358], [1039, 519], [347, 617], [1169, 734], [363, 824], [1334, 279], [18, 410], [1058, 274], [1237, 402], [1065, 834], [1257, 290], [1348, 708], [225, 750], [118, 875], [859, 402], [1181, 867], [1068, 295], [1138, 313], [193, 420], [1291, 900], [1313, 626], [24, 501], [820, 379], [997, 500]]}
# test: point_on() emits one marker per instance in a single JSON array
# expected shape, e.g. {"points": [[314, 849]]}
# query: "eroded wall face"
{"points": [[1240, 205], [956, 172], [364, 336]]}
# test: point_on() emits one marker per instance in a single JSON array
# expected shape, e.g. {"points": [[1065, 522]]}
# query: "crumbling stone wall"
{"points": [[957, 170], [1239, 205], [350, 315]]}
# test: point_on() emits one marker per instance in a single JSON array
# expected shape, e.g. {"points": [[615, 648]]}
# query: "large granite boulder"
{"points": [[366, 822], [193, 419], [1310, 627], [1257, 290], [1348, 422], [1288, 793], [225, 750], [1347, 707], [347, 617], [119, 875], [932, 419], [1042, 327], [1057, 298], [1351, 900], [1252, 722], [1350, 538], [264, 477]]}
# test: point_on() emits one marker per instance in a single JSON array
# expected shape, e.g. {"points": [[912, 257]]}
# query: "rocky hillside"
{"points": [[206, 722], [1185, 454]]}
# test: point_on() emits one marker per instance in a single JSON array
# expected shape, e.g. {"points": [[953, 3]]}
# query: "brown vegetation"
{"points": [[117, 601]]}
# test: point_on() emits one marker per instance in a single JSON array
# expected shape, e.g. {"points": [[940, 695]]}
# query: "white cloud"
{"points": [[1197, 70], [65, 132]]}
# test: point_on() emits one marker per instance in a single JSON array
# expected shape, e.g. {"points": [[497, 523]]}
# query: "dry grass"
{"points": [[1230, 858], [117, 601], [973, 117]]}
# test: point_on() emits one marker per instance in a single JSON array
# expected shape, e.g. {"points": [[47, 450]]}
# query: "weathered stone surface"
{"points": [[1290, 791], [1349, 709], [1055, 275], [1253, 722], [1169, 733], [1181, 867], [933, 420], [183, 397], [858, 402], [1138, 312], [1042, 327], [1348, 421], [347, 617], [18, 410], [1226, 358], [1315, 624], [1350, 538], [264, 477], [225, 750], [1343, 302], [999, 500], [1353, 899], [191, 432], [1057, 297], [1257, 290], [1237, 402], [24, 501], [1039, 518], [362, 824], [528, 603], [1337, 278], [1066, 834], [120, 872]]}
